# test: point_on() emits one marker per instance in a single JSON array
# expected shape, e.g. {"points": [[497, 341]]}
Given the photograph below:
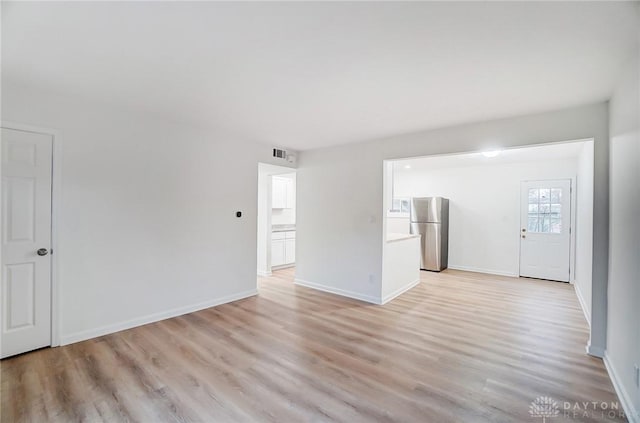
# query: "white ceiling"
{"points": [[305, 75], [559, 151]]}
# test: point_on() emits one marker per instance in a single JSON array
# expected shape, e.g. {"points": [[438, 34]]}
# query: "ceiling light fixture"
{"points": [[492, 153], [407, 166]]}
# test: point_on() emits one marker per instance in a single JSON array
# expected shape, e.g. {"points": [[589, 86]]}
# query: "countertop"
{"points": [[394, 237], [283, 228]]}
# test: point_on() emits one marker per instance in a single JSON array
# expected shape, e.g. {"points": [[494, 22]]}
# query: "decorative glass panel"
{"points": [[544, 223], [545, 196], [545, 210], [556, 225]]}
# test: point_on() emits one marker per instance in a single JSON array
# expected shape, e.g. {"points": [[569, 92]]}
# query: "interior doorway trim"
{"points": [[55, 213], [597, 318]]}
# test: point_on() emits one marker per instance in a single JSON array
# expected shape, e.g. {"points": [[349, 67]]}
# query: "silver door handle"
{"points": [[43, 252]]}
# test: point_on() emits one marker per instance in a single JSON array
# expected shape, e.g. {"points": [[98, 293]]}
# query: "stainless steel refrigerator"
{"points": [[430, 219]]}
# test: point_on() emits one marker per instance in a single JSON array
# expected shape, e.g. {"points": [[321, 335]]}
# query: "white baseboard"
{"points": [[625, 399], [583, 304], [400, 291], [595, 351], [338, 291], [139, 321], [283, 266], [481, 270], [264, 273]]}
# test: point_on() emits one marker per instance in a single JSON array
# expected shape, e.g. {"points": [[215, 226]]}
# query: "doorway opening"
{"points": [[518, 212], [276, 246]]}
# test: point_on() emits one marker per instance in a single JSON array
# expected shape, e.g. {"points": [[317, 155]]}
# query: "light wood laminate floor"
{"points": [[459, 347]]}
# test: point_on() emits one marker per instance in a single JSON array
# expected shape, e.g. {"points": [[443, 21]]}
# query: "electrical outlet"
{"points": [[637, 375]]}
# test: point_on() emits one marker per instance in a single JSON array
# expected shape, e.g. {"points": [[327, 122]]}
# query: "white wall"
{"points": [[584, 228], [398, 225], [340, 195], [401, 267], [484, 207], [623, 325], [147, 224]]}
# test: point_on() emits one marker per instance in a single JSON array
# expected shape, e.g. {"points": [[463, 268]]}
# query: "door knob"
{"points": [[43, 252], [524, 236]]}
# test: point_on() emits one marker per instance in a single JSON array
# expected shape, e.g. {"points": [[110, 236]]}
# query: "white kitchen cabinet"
{"points": [[282, 191], [291, 195], [278, 252], [283, 248], [290, 250]]}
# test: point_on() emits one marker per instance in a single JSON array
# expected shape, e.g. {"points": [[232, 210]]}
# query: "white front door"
{"points": [[545, 229], [25, 305]]}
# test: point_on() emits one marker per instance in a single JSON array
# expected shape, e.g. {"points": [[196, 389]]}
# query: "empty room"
{"points": [[320, 211]]}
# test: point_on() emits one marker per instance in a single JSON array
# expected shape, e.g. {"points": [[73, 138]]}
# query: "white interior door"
{"points": [[545, 231], [26, 241]]}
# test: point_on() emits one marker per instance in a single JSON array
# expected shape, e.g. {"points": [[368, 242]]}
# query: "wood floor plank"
{"points": [[459, 347]]}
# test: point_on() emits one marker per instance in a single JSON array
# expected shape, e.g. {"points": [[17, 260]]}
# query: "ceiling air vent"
{"points": [[280, 154]]}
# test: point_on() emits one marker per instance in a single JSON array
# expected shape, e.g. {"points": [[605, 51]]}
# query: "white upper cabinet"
{"points": [[283, 192]]}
